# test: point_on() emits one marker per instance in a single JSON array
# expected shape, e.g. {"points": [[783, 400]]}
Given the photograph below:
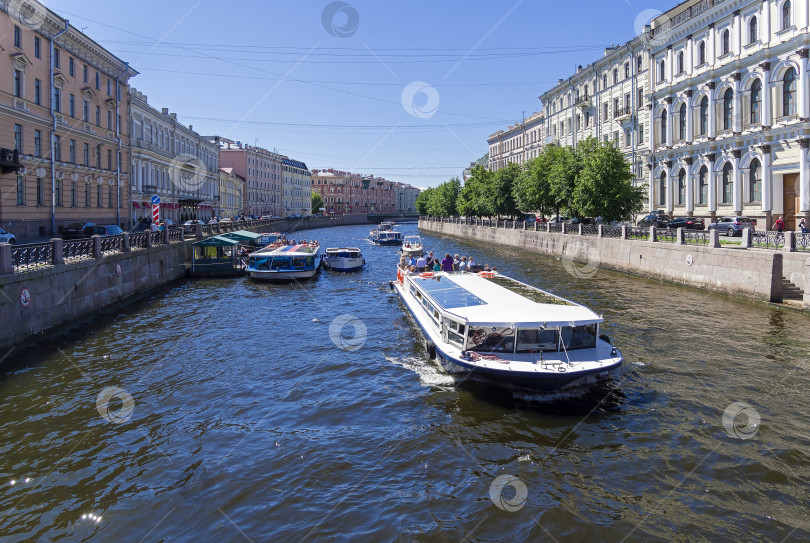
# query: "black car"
{"points": [[106, 230], [655, 219], [691, 223], [78, 230]]}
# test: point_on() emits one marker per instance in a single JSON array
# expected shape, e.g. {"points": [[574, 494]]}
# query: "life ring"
{"points": [[426, 275], [487, 274], [399, 276]]}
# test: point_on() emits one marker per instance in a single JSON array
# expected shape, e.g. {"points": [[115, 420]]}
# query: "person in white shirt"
{"points": [[421, 263]]}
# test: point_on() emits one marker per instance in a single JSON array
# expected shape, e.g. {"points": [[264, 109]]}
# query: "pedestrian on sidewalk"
{"points": [[803, 227], [779, 225]]}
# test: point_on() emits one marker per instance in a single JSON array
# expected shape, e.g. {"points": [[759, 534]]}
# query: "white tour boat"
{"points": [[344, 259], [412, 245], [491, 327], [285, 262]]}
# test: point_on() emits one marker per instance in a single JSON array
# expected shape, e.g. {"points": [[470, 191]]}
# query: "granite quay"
{"points": [[765, 266], [44, 286]]}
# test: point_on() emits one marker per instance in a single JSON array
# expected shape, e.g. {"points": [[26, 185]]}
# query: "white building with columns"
{"points": [[731, 110]]}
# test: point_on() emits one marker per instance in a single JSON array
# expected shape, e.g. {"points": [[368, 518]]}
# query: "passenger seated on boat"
{"points": [[486, 267]]}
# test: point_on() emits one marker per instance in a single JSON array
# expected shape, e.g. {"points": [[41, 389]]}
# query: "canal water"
{"points": [[230, 410]]}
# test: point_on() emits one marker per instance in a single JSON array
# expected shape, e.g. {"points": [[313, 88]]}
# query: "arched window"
{"points": [[702, 53], [786, 15], [755, 181], [662, 189], [682, 122], [662, 72], [682, 187], [728, 182], [789, 93], [726, 42], [680, 63], [704, 116], [752, 30], [703, 185], [728, 109], [664, 127], [756, 101]]}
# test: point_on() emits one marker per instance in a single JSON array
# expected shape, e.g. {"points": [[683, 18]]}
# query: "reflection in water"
{"points": [[248, 420]]}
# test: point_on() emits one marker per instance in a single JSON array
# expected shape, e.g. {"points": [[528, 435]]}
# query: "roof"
{"points": [[484, 302], [241, 235], [294, 163], [216, 241]]}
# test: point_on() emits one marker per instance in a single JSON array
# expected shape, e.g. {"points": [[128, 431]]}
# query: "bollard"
{"points": [[579, 229], [57, 251], [125, 243], [714, 238], [624, 231], [790, 242], [564, 228], [148, 239], [680, 239], [5, 258], [198, 232], [653, 234], [600, 232], [166, 239], [535, 226], [746, 238], [96, 247]]}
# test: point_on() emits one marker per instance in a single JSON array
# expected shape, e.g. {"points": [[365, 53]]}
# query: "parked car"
{"points": [[732, 226], [7, 237], [189, 227], [655, 219], [560, 220], [691, 223], [78, 230], [581, 220], [104, 230]]}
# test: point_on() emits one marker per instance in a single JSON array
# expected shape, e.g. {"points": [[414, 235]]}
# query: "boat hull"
{"points": [[389, 243], [292, 275], [344, 264], [413, 251]]}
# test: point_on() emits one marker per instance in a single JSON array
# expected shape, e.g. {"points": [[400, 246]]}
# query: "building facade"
{"points": [[232, 189], [297, 189], [262, 170], [171, 161], [405, 198], [519, 143], [731, 110], [345, 193], [64, 118]]}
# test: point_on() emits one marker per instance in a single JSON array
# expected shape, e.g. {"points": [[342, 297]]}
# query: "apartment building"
{"points": [[232, 189], [64, 114], [297, 189], [346, 193], [263, 173], [519, 143]]}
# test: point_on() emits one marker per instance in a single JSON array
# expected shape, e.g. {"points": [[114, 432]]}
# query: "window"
{"points": [[37, 92], [99, 196], [682, 187], [98, 115], [37, 47], [726, 42], [57, 99], [703, 185], [789, 93], [704, 116], [664, 127], [786, 15], [37, 143], [109, 120], [73, 194], [17, 37], [640, 98], [40, 191], [682, 122], [86, 111], [662, 72], [702, 53], [20, 190], [84, 73], [72, 152], [641, 133], [98, 81], [605, 111], [752, 30], [87, 195], [756, 101], [640, 63], [72, 105], [680, 63], [57, 192], [18, 138], [71, 67], [109, 196], [109, 87], [86, 155], [728, 109], [662, 189], [57, 148], [98, 157], [109, 159], [728, 182], [626, 70], [615, 75], [755, 181], [18, 83], [587, 118], [604, 81]]}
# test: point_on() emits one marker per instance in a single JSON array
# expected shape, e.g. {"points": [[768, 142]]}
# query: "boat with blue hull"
{"points": [[494, 328], [344, 259], [387, 237], [285, 262]]}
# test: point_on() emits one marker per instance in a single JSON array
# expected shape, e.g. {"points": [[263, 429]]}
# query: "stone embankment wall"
{"points": [[59, 293], [752, 273]]}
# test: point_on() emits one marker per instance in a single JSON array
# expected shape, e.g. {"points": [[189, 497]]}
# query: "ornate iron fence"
{"points": [[634, 232], [112, 244], [590, 230], [157, 238], [611, 231], [137, 241], [76, 250], [31, 255], [696, 237], [668, 236], [555, 228], [767, 240], [802, 241], [176, 234]]}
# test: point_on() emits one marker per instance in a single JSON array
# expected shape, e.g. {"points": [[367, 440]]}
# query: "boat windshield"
{"points": [[579, 337], [491, 340], [539, 339]]}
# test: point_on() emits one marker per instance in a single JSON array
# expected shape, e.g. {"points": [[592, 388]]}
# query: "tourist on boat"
{"points": [[404, 262], [430, 260], [412, 270], [437, 266], [486, 267], [421, 263], [462, 266], [470, 264], [456, 262], [447, 263], [412, 261]]}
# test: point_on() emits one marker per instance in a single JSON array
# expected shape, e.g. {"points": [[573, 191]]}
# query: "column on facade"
{"points": [[690, 55], [736, 120], [737, 28], [804, 87], [690, 122], [767, 112], [736, 197], [670, 71], [690, 196], [804, 177], [712, 185], [668, 135], [712, 45], [651, 189], [767, 180], [765, 34]]}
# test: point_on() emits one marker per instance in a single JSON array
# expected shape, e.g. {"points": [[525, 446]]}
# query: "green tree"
{"points": [[470, 202], [498, 192], [532, 188], [442, 202], [562, 174], [317, 203], [604, 183], [423, 201]]}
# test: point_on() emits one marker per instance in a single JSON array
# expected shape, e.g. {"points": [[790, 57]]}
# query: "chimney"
{"points": [[173, 116], [191, 127], [165, 111]]}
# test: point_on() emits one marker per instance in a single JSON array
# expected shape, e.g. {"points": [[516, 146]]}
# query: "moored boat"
{"points": [[490, 327], [344, 259], [285, 262], [412, 245]]}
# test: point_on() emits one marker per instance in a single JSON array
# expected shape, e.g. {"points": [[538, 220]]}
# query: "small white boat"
{"points": [[345, 259], [491, 327], [285, 262], [412, 245]]}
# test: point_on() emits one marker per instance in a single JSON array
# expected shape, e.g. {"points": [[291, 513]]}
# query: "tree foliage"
{"points": [[317, 203]]}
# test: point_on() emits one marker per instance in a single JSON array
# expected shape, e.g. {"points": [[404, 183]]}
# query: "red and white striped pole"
{"points": [[155, 213]]}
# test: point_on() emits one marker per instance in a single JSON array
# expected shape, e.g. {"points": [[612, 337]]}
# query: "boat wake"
{"points": [[430, 375]]}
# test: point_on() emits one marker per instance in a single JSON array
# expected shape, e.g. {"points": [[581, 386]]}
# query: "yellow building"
{"points": [[232, 188]]}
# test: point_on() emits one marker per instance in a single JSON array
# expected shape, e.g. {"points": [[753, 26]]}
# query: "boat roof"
{"points": [[216, 241], [484, 302], [288, 250], [413, 237], [333, 249], [242, 235]]}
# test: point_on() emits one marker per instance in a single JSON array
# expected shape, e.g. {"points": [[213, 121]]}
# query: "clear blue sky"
{"points": [[324, 83]]}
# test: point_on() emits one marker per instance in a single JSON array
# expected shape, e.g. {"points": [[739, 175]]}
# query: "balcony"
{"points": [[622, 114], [9, 160], [583, 102]]}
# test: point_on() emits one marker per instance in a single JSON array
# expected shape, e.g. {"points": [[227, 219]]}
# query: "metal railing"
{"points": [[768, 240], [112, 244], [78, 249], [157, 238], [668, 236], [802, 241], [32, 255], [635, 232], [176, 234], [137, 241], [611, 231], [696, 237], [555, 228], [590, 230]]}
